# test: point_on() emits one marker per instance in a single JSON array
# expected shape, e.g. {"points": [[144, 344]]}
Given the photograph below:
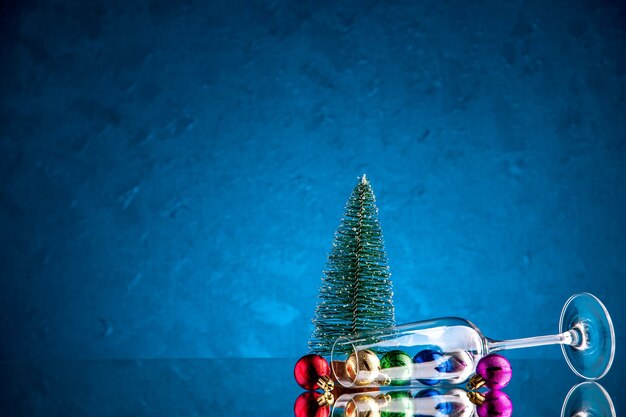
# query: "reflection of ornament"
{"points": [[462, 407], [313, 404], [493, 370], [476, 397], [425, 403], [429, 402], [312, 372], [495, 403], [398, 404], [396, 366], [432, 355], [362, 405], [363, 367], [427, 392]]}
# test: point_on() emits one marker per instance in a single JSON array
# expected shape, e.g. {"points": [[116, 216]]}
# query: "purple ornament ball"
{"points": [[495, 370], [497, 404]]}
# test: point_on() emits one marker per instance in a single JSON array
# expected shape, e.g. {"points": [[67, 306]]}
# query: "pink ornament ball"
{"points": [[495, 370]]}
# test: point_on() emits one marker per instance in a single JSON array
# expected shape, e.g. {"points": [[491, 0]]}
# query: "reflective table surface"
{"points": [[226, 387]]}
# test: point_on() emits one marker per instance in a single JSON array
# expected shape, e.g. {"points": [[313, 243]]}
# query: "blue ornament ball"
{"points": [[433, 354]]}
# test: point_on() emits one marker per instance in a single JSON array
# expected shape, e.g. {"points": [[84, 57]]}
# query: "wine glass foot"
{"points": [[591, 354], [588, 399]]}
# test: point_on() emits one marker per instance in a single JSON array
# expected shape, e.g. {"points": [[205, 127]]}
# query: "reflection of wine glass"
{"points": [[424, 403], [447, 350], [588, 399]]}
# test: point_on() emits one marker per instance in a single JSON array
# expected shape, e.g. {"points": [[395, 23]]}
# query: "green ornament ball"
{"points": [[400, 404], [397, 366]]}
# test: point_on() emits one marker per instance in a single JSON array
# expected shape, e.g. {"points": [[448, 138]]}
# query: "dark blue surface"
{"points": [[172, 172], [224, 387]]}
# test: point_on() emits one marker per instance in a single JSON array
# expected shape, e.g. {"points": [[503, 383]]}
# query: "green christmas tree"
{"points": [[356, 293]]}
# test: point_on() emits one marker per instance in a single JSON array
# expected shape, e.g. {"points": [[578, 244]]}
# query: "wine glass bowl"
{"points": [[443, 350]]}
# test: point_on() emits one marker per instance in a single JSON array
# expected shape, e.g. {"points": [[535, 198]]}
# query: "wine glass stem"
{"points": [[569, 337]]}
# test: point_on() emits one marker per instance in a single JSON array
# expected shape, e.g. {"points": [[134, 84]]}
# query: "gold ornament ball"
{"points": [[363, 367]]}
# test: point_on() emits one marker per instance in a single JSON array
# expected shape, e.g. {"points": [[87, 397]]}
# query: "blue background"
{"points": [[172, 172]]}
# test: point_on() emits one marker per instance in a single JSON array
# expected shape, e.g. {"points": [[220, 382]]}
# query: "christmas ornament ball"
{"points": [[363, 367], [397, 366], [309, 369], [432, 354], [307, 405], [496, 403], [495, 370]]}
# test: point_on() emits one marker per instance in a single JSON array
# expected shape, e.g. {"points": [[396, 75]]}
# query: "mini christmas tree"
{"points": [[356, 293]]}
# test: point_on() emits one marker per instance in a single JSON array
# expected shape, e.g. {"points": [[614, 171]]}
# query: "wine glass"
{"points": [[588, 399], [446, 350]]}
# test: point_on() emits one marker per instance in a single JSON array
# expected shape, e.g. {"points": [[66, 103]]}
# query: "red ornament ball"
{"points": [[309, 369], [307, 406]]}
